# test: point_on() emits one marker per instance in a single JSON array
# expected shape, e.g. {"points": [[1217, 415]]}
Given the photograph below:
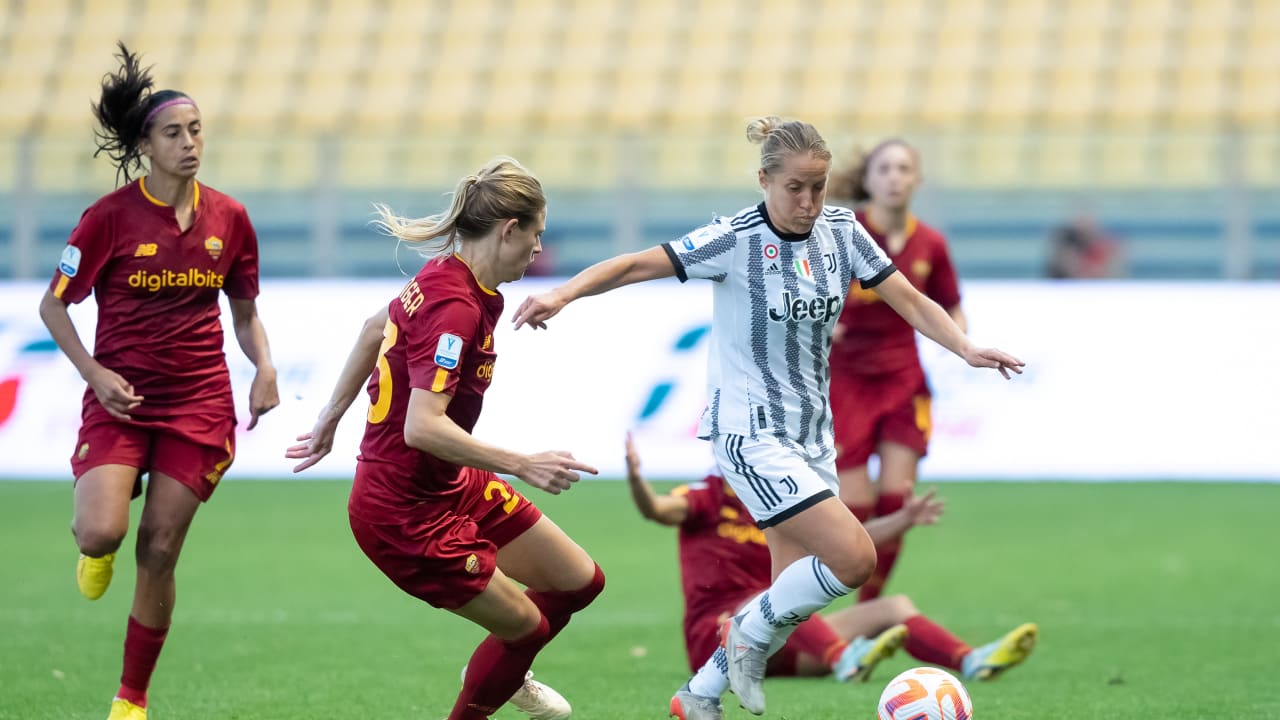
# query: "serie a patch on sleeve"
{"points": [[448, 351], [69, 265]]}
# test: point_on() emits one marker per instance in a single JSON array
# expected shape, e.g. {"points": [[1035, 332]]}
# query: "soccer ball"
{"points": [[925, 693]]}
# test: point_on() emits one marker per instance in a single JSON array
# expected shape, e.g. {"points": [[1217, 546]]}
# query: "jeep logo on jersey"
{"points": [[817, 309]]}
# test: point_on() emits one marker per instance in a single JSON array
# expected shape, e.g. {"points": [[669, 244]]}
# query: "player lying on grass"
{"points": [[724, 562]]}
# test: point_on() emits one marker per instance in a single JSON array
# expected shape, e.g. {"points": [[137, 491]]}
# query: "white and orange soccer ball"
{"points": [[925, 693]]}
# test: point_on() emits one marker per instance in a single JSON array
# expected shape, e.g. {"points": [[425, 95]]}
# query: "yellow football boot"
{"points": [[122, 709], [990, 661], [863, 654], [93, 575]]}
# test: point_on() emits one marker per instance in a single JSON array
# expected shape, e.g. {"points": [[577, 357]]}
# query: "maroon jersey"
{"points": [[156, 288], [439, 338], [876, 339], [723, 555]]}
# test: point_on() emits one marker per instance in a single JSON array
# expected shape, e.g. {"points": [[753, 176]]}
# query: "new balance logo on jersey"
{"points": [[818, 309]]}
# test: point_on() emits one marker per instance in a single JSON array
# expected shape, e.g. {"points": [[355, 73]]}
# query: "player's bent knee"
{"points": [[97, 540], [901, 607], [587, 594], [856, 567], [538, 636]]}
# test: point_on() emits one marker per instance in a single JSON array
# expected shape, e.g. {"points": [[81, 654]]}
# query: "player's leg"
{"points": [[498, 667], [811, 651], [105, 464], [560, 576], [166, 516], [820, 551], [99, 523], [899, 465], [561, 579]]}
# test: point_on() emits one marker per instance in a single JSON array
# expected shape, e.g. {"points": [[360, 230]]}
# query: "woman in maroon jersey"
{"points": [[427, 507], [154, 253], [879, 394]]}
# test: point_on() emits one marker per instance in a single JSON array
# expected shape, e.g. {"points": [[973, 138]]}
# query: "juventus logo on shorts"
{"points": [[790, 485]]}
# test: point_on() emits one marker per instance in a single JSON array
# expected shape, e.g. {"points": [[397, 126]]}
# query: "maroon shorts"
{"points": [[196, 464], [869, 410], [447, 553]]}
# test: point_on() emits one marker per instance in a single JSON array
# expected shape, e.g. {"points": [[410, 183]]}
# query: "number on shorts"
{"points": [[379, 409], [511, 499]]}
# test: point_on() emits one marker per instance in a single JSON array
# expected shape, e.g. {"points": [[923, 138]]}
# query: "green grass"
{"points": [[1154, 601]]}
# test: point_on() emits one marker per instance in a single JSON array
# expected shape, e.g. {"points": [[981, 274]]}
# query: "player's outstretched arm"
{"points": [[662, 509], [429, 429], [918, 510], [602, 277], [929, 318], [314, 445], [252, 336]]}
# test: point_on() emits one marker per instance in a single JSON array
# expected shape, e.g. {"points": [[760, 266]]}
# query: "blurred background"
{"points": [[1089, 137]]}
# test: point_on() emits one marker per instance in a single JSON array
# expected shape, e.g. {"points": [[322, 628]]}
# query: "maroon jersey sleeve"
{"points": [[704, 506], [242, 277], [438, 340], [943, 285], [90, 247]]}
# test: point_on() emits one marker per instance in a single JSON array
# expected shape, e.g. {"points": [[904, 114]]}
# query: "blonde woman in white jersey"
{"points": [[781, 271]]}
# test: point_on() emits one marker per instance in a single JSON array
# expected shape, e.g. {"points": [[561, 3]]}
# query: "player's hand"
{"points": [[924, 509], [263, 395], [633, 459], [553, 471], [314, 445], [536, 310], [993, 358], [114, 392]]}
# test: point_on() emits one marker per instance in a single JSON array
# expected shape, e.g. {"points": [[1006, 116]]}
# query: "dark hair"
{"points": [[851, 185], [122, 112]]}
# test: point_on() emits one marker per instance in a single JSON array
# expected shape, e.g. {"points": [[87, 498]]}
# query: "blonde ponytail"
{"points": [[502, 190]]}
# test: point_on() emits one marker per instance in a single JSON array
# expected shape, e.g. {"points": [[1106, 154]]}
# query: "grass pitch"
{"points": [[1154, 601]]}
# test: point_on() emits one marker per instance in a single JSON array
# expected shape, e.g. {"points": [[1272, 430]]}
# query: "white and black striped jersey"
{"points": [[777, 298]]}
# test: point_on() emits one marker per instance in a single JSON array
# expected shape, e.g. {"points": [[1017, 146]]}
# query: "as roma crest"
{"points": [[214, 246]]}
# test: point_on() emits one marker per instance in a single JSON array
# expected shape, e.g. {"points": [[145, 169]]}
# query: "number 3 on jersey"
{"points": [[380, 407]]}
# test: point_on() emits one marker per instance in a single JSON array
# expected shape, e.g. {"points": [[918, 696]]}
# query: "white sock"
{"points": [[712, 679], [803, 588]]}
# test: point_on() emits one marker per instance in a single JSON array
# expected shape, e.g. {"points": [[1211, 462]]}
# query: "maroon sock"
{"points": [[929, 642], [142, 646], [560, 606], [886, 553], [860, 511], [496, 671], [815, 637]]}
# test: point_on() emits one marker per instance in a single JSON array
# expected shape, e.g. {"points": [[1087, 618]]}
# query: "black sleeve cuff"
{"points": [[675, 263], [879, 277]]}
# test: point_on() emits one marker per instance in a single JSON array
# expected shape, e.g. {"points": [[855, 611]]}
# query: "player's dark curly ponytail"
{"points": [[123, 112]]}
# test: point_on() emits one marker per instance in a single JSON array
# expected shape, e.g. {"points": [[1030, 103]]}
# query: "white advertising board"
{"points": [[1124, 381]]}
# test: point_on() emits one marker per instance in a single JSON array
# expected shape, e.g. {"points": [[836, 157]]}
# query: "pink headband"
{"points": [[166, 104]]}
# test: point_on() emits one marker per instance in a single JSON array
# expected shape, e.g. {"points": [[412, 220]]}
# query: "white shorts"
{"points": [[774, 482]]}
